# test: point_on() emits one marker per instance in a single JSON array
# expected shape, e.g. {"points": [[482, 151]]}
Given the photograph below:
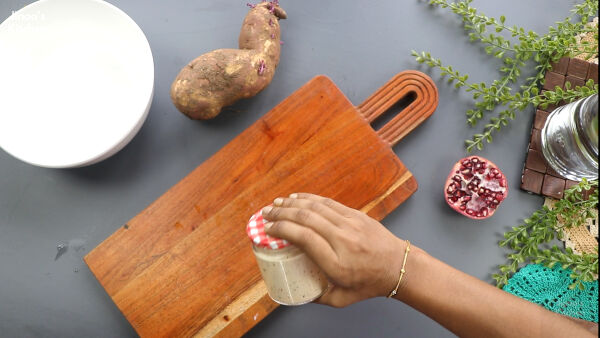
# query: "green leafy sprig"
{"points": [[559, 95], [543, 50], [529, 241]]}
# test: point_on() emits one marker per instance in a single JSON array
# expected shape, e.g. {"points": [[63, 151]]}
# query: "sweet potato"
{"points": [[221, 77]]}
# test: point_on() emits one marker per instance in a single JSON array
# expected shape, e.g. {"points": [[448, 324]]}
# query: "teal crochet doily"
{"points": [[550, 288]]}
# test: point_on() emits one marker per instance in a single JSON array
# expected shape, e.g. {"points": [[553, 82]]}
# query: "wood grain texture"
{"points": [[184, 266]]}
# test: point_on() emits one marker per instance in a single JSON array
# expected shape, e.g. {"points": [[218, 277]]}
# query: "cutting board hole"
{"points": [[394, 110]]}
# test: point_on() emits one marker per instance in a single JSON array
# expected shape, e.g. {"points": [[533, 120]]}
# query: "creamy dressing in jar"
{"points": [[291, 277]]}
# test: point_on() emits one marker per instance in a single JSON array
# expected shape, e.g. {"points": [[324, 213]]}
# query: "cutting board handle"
{"points": [[399, 87]]}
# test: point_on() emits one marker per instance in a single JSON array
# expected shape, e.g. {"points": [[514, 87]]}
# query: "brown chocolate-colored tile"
{"points": [[535, 161], [578, 68], [593, 72], [532, 181], [561, 66], [570, 183], [535, 142], [553, 186], [587, 193], [540, 119], [554, 79], [575, 81]]}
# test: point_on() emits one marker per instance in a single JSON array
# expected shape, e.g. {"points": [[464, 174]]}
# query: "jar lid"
{"points": [[256, 232]]}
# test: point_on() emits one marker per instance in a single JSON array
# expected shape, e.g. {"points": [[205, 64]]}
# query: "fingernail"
{"points": [[278, 201], [266, 210], [268, 225], [294, 196]]}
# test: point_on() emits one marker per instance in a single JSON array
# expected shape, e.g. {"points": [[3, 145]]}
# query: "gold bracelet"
{"points": [[402, 271]]}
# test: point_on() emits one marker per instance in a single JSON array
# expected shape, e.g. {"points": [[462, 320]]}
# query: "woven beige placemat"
{"points": [[589, 37], [581, 239]]}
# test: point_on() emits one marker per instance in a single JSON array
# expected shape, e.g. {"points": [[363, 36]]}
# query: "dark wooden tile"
{"points": [[593, 72], [540, 119], [535, 161], [553, 79], [575, 81], [570, 183], [553, 186], [587, 193], [535, 142], [561, 66], [532, 181], [578, 68]]}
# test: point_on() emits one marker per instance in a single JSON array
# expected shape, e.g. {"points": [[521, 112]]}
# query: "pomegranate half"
{"points": [[475, 187]]}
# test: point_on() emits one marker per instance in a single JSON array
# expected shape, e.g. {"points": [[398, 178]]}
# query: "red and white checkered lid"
{"points": [[256, 232]]}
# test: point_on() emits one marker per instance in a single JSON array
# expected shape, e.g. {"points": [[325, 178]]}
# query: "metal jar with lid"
{"points": [[291, 277]]}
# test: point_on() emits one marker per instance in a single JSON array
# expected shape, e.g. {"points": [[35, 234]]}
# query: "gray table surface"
{"points": [[359, 45]]}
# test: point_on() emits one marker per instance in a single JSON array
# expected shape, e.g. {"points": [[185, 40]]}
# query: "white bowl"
{"points": [[76, 82]]}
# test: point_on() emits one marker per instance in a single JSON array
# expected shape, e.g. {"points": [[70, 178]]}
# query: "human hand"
{"points": [[361, 258]]}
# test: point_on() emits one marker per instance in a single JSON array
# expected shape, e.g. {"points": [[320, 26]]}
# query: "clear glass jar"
{"points": [[570, 139], [291, 277]]}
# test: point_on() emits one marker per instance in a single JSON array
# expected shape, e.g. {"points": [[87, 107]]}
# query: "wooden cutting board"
{"points": [[184, 266]]}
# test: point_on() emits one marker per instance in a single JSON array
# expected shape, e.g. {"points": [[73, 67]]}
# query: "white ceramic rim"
{"points": [[120, 143]]}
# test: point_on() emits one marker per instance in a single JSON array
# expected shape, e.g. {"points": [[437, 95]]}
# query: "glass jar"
{"points": [[291, 277], [570, 139]]}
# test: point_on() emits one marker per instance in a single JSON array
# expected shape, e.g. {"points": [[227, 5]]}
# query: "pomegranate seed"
{"points": [[450, 189], [488, 191], [474, 160], [470, 212], [484, 165], [462, 207], [466, 171], [465, 161], [466, 199], [481, 191], [484, 212]]}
